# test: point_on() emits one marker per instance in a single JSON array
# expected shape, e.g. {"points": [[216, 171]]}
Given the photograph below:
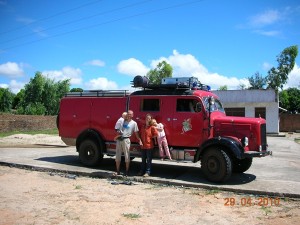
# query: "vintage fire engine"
{"points": [[195, 122]]}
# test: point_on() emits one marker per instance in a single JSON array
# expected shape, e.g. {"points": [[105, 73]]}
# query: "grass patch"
{"points": [[32, 132], [131, 215], [78, 187], [297, 140], [154, 187], [212, 191], [267, 210]]}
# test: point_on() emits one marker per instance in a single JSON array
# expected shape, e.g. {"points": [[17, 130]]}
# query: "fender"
{"points": [[93, 134], [232, 145]]}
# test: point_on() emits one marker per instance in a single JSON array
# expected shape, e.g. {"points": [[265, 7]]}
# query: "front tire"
{"points": [[90, 153], [241, 165], [216, 165]]}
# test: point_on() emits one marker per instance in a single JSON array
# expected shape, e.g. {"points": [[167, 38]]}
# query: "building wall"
{"points": [[251, 99]]}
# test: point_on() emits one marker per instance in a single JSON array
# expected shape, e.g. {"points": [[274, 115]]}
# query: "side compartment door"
{"points": [[74, 116], [105, 113]]}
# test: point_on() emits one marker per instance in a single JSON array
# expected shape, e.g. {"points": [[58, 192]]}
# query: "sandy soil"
{"points": [[31, 197]]}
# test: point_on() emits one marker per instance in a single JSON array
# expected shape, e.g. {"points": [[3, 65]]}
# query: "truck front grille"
{"points": [[263, 137]]}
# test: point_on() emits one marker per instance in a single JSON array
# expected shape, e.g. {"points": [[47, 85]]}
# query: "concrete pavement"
{"points": [[276, 175]]}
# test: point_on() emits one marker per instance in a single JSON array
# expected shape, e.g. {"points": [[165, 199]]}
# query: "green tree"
{"points": [[257, 81], [223, 88], [162, 70], [6, 99], [76, 90], [277, 77], [290, 99], [41, 96], [18, 98]]}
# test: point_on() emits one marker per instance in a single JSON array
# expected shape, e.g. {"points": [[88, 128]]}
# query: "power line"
{"points": [[107, 22], [52, 16], [78, 20]]}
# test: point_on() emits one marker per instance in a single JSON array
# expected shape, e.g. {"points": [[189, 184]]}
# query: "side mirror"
{"points": [[211, 101]]}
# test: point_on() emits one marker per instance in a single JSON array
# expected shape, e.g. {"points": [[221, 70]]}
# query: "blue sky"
{"points": [[103, 44]]}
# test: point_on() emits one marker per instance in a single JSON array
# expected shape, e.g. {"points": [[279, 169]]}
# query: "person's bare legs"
{"points": [[118, 163], [127, 167]]}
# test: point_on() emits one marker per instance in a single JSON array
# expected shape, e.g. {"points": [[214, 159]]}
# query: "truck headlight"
{"points": [[245, 141]]}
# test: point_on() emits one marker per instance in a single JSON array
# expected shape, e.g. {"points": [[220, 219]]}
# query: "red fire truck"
{"points": [[195, 122]]}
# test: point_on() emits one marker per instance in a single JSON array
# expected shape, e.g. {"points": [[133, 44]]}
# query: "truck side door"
{"points": [[187, 122]]}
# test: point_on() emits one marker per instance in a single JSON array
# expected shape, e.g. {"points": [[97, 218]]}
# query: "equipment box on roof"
{"points": [[179, 80]]}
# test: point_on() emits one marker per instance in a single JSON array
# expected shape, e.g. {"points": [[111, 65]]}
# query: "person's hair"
{"points": [[152, 121]]}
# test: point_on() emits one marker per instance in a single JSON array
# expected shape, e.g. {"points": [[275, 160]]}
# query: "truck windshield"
{"points": [[217, 106]]}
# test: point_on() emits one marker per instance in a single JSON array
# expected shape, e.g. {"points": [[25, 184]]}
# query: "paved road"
{"points": [[277, 175]]}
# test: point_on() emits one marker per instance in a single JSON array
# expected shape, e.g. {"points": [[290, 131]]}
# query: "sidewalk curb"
{"points": [[152, 180]]}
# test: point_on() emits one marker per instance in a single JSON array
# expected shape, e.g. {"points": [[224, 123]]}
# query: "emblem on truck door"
{"points": [[186, 125]]}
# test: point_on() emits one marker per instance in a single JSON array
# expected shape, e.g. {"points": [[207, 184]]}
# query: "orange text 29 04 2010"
{"points": [[249, 201]]}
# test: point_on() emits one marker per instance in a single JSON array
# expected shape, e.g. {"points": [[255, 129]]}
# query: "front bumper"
{"points": [[251, 154]]}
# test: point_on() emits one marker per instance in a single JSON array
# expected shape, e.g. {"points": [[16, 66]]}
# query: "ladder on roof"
{"points": [[99, 93]]}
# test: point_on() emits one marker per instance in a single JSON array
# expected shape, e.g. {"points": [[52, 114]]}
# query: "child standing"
{"points": [[148, 132], [162, 140]]}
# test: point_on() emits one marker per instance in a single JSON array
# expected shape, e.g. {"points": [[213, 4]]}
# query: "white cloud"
{"points": [[186, 65], [271, 33], [4, 85], [11, 69], [96, 62], [25, 20], [266, 66], [132, 67], [13, 86], [40, 32], [101, 83], [266, 18], [65, 73], [294, 78]]}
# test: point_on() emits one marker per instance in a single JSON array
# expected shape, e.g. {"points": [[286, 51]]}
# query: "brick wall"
{"points": [[9, 122], [289, 122]]}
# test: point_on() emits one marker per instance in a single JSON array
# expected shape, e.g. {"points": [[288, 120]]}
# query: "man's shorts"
{"points": [[123, 146]]}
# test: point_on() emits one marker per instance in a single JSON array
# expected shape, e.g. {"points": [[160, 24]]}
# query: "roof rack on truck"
{"points": [[186, 83], [98, 93]]}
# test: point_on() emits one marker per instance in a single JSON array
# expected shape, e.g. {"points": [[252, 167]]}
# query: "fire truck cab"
{"points": [[196, 126]]}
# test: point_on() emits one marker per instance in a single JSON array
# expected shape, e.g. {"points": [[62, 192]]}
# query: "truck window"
{"points": [[187, 105], [151, 105]]}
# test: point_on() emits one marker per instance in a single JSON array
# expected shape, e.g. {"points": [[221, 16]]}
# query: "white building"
{"points": [[252, 103]]}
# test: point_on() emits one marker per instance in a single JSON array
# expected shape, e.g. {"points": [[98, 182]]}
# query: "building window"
{"points": [[150, 105], [235, 112], [260, 112]]}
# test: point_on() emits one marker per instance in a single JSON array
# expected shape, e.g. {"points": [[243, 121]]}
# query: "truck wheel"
{"points": [[216, 165], [241, 165], [89, 153]]}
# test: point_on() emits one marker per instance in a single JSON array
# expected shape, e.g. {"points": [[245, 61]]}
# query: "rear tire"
{"points": [[216, 165], [90, 153], [241, 165]]}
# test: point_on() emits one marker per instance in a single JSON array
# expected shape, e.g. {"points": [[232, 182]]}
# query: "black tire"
{"points": [[241, 165], [90, 153], [216, 165]]}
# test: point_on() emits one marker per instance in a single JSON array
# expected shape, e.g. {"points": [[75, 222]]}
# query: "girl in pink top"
{"points": [[162, 140]]}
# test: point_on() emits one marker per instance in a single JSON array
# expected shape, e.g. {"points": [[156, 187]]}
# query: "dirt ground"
{"points": [[32, 197]]}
